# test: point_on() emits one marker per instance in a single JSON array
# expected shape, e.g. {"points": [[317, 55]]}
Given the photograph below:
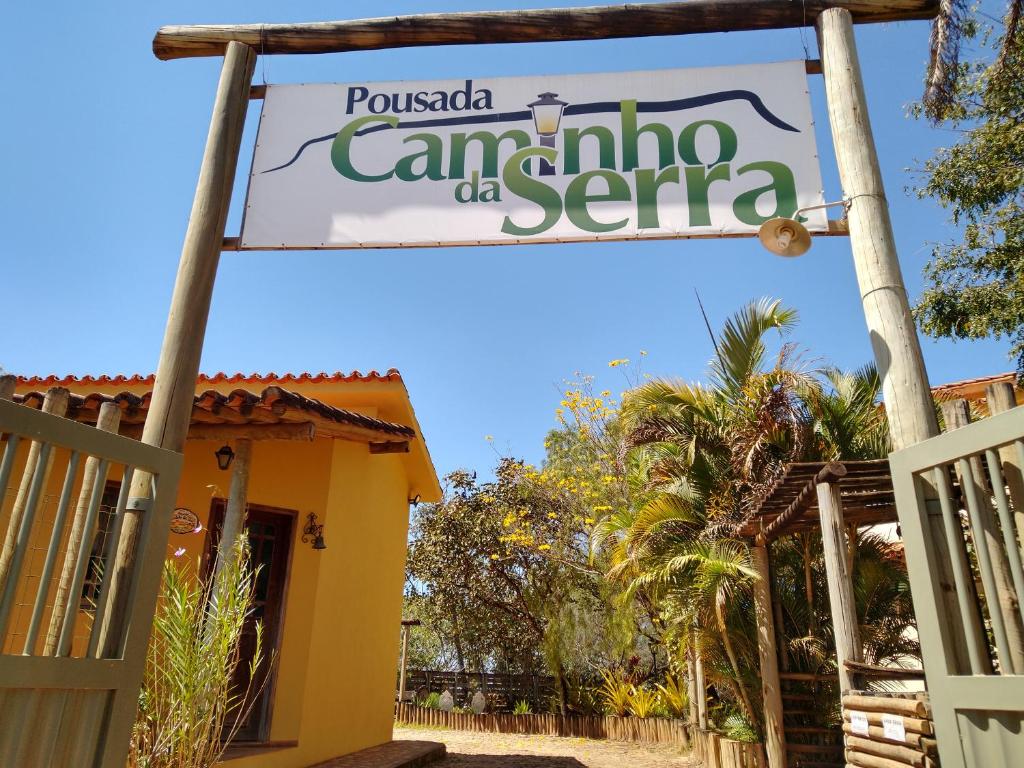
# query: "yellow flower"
{"points": [[543, 547], [617, 363], [552, 515], [588, 520], [494, 557], [489, 438]]}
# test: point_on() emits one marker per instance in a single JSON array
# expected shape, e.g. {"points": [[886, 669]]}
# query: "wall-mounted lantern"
{"points": [[547, 114], [313, 532], [224, 456], [415, 500]]}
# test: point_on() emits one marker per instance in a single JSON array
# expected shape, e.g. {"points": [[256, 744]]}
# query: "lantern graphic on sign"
{"points": [[547, 113]]}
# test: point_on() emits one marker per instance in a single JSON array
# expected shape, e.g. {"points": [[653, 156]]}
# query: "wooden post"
{"points": [[55, 402], [771, 685], [174, 389], [1002, 397], [840, 583], [702, 687], [691, 681], [8, 382], [108, 420], [238, 499], [405, 655], [957, 414]]}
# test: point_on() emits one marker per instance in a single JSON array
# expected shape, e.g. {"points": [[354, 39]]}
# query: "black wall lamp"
{"points": [[224, 456], [415, 500], [313, 532]]}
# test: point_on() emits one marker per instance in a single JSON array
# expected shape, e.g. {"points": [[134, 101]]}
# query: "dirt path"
{"points": [[499, 750]]}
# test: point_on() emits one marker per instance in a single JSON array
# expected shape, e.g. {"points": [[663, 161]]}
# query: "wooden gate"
{"points": [[960, 499], [71, 666]]}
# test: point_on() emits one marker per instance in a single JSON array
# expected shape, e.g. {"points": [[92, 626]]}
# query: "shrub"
{"points": [[522, 708], [188, 709], [433, 700], [674, 697], [642, 701], [615, 693]]}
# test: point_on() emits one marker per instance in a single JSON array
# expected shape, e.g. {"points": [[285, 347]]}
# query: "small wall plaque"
{"points": [[859, 723], [184, 521], [893, 727]]}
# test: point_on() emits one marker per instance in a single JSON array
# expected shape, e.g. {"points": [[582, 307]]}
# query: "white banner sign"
{"points": [[673, 153]]}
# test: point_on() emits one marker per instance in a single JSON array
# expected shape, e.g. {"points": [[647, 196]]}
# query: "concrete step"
{"points": [[394, 754]]}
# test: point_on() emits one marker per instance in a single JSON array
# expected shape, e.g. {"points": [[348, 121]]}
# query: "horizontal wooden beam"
{"points": [[524, 26], [305, 431], [393, 446]]}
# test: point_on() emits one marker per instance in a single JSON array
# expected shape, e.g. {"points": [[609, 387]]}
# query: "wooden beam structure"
{"points": [[767, 652], [304, 431], [600, 22], [842, 606], [238, 500]]}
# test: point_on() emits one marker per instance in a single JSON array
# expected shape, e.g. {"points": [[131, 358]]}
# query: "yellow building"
{"points": [[342, 451]]}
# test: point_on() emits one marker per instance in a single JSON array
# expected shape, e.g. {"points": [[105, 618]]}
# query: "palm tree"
{"points": [[701, 456]]}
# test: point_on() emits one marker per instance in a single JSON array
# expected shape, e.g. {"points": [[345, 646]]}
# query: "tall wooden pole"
{"points": [[897, 350], [238, 498], [840, 583], [771, 685], [175, 385]]}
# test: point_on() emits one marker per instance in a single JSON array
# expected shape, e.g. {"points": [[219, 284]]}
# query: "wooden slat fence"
{"points": [[715, 751], [502, 689], [648, 730]]}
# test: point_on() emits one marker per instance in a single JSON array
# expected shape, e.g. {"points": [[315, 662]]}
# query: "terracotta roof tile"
{"points": [[273, 404], [53, 380], [953, 386]]}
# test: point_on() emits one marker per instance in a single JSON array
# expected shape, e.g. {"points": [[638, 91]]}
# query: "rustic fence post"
{"points": [[55, 402], [1002, 397], [108, 420], [985, 533], [771, 686]]}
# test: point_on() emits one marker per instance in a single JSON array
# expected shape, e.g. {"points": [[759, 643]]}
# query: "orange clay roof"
{"points": [[54, 380], [973, 384]]}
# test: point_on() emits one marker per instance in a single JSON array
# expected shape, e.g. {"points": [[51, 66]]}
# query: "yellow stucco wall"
{"points": [[335, 673]]}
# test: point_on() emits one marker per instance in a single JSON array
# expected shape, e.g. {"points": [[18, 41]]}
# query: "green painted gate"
{"points": [[69, 679], [960, 498]]}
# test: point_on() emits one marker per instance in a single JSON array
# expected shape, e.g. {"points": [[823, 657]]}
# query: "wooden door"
{"points": [[270, 541]]}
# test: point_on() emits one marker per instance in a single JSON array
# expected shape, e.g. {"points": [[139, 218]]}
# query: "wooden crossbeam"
{"points": [[524, 26]]}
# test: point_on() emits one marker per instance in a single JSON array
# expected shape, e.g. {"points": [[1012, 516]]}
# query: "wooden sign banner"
{"points": [[704, 152]]}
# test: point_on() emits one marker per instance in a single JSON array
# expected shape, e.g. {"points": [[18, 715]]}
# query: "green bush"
{"points": [[642, 701], [615, 693], [433, 700], [188, 709], [674, 697], [522, 708]]}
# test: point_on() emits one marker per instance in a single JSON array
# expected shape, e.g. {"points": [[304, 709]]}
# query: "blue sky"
{"points": [[102, 150]]}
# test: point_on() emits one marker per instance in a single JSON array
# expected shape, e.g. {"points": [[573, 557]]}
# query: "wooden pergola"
{"points": [[830, 497]]}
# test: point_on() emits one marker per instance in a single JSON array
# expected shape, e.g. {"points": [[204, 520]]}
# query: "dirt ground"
{"points": [[500, 750]]}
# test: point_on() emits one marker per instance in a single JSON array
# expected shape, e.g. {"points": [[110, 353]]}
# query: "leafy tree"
{"points": [[975, 282]]}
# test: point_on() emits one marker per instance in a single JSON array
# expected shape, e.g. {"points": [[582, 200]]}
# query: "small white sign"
{"points": [[893, 726], [859, 723]]}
